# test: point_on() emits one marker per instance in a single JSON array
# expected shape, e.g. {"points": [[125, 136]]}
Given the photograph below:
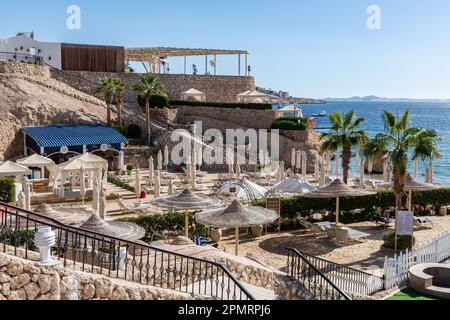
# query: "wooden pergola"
{"points": [[155, 57]]}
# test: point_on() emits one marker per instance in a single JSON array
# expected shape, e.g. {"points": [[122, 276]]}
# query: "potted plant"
{"points": [[129, 169]]}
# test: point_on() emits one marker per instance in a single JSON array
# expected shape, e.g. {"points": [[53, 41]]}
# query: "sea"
{"points": [[433, 115]]}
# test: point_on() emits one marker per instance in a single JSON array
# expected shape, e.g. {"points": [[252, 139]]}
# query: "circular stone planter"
{"points": [[431, 278]]}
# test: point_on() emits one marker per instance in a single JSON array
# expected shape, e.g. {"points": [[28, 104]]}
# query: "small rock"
{"points": [[103, 288], [2, 298], [45, 283], [20, 281], [32, 290], [6, 289], [120, 294], [4, 277], [14, 269], [4, 260], [88, 292]]}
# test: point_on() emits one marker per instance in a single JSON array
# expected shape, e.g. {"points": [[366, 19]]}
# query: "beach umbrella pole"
{"points": [[337, 210], [236, 249], [186, 224]]}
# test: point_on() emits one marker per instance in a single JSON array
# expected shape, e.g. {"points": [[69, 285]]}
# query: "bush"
{"points": [[119, 183], [18, 238], [292, 208], [403, 242], [7, 190], [289, 124], [133, 131], [157, 101], [169, 222], [253, 106], [121, 129]]}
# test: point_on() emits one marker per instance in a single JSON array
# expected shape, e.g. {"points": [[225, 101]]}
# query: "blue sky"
{"points": [[311, 48]]}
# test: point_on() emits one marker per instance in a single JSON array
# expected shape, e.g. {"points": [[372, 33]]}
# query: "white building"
{"points": [[24, 48]]}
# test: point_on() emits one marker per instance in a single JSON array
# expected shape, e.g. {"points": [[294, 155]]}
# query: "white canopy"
{"points": [[36, 160], [93, 160], [10, 168], [253, 97], [258, 191], [293, 185], [193, 94], [75, 165]]}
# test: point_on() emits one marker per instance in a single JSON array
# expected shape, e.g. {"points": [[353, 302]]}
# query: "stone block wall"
{"points": [[27, 280], [216, 88], [24, 69]]}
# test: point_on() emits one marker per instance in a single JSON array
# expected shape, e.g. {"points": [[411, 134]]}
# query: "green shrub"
{"points": [[289, 124], [157, 101], [119, 183], [253, 106], [7, 190], [121, 129], [403, 242], [133, 131], [163, 223], [292, 208], [18, 238]]}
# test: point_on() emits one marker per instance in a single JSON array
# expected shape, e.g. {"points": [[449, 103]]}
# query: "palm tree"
{"points": [[400, 141], [147, 87], [345, 134], [106, 87], [119, 89]]}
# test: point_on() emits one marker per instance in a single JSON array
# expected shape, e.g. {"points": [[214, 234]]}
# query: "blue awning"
{"points": [[74, 135]]}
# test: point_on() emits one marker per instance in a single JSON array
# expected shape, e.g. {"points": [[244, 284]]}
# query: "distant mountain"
{"points": [[375, 98]]}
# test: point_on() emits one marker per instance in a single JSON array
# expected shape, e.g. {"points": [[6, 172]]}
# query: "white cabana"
{"points": [[193, 95], [37, 161], [253, 97], [94, 160], [11, 169], [293, 185], [289, 111]]}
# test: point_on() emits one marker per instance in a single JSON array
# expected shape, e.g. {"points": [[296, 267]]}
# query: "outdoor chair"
{"points": [[347, 234], [305, 223], [423, 223], [320, 227], [384, 222]]}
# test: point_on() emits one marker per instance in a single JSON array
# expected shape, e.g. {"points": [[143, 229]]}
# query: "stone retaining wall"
{"points": [[26, 280], [216, 88], [26, 69]]}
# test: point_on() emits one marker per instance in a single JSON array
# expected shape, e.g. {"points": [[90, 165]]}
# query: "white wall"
{"points": [[48, 49]]}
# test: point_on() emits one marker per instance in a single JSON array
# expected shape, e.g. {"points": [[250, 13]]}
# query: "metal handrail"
{"points": [[350, 280], [306, 282], [99, 241]]}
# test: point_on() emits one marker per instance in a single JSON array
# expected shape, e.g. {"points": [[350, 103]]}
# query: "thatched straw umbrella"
{"points": [[186, 201], [410, 186], [122, 230], [65, 216], [236, 216], [337, 189]]}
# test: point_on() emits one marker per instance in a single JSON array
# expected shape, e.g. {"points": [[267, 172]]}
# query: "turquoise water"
{"points": [[434, 115]]}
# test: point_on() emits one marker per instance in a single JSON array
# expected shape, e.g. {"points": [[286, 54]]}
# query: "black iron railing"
{"points": [[112, 257], [347, 279], [312, 279], [20, 57]]}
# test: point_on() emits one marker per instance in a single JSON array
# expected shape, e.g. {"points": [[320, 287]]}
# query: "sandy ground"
{"points": [[367, 255], [270, 249]]}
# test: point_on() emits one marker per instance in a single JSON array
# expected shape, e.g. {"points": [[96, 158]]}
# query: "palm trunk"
{"points": [[346, 155], [119, 111], [108, 114], [399, 183], [147, 120]]}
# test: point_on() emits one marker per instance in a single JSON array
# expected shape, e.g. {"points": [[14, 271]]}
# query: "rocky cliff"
{"points": [[29, 97]]}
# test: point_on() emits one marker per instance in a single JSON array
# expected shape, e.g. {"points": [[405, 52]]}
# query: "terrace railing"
{"points": [[117, 258], [20, 57], [349, 280], [311, 278]]}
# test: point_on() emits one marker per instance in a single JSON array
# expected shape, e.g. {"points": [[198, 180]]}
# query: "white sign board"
{"points": [[405, 223]]}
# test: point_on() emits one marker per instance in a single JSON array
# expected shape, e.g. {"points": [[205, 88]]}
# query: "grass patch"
{"points": [[410, 294]]}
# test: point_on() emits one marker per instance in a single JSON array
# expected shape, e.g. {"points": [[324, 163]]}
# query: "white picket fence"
{"points": [[396, 270]]}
